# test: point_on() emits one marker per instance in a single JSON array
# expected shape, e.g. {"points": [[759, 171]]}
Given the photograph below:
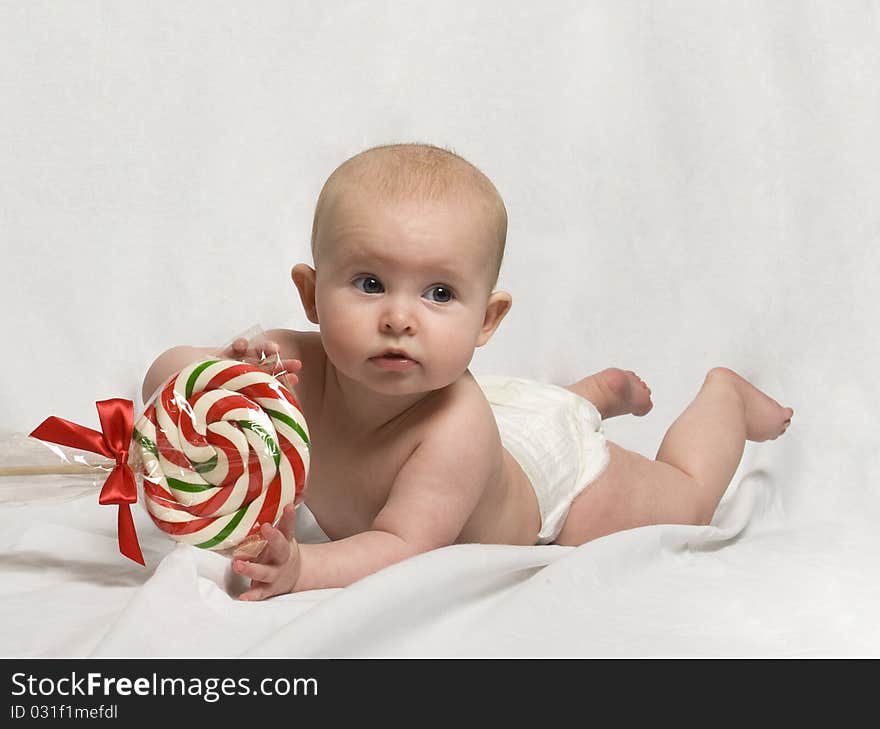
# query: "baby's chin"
{"points": [[394, 382], [402, 387], [403, 384]]}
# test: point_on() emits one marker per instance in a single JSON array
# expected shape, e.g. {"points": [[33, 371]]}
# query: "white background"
{"points": [[689, 184]]}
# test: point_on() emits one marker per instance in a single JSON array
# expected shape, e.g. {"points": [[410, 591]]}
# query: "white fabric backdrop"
{"points": [[689, 184]]}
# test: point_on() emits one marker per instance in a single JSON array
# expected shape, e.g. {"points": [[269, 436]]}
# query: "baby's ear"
{"points": [[304, 278], [496, 309]]}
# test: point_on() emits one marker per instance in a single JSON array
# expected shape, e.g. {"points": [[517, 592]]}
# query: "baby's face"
{"points": [[402, 290]]}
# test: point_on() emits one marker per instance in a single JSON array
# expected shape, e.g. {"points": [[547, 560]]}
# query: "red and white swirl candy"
{"points": [[225, 448]]}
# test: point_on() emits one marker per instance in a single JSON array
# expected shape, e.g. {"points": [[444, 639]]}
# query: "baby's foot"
{"points": [[628, 394], [766, 419]]}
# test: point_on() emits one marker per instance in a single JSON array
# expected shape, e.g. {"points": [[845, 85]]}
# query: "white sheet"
{"points": [[688, 185]]}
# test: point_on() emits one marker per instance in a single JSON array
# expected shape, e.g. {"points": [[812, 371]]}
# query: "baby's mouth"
{"points": [[396, 354], [394, 359]]}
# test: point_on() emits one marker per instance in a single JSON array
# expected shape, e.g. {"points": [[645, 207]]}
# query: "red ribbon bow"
{"points": [[117, 423]]}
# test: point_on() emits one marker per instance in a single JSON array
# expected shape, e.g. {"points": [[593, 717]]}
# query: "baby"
{"points": [[409, 452]]}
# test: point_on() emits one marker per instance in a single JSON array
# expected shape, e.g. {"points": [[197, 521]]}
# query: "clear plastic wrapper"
{"points": [[33, 471], [221, 447]]}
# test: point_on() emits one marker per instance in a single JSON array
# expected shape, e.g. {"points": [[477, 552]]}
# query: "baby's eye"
{"points": [[439, 294], [369, 284]]}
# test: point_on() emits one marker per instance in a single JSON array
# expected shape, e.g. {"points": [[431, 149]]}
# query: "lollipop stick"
{"points": [[64, 468]]}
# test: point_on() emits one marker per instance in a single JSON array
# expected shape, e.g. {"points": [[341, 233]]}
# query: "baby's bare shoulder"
{"points": [[462, 413], [292, 344], [455, 460]]}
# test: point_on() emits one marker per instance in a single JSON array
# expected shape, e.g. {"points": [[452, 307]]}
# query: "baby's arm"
{"points": [[283, 342], [287, 566], [430, 502], [169, 362]]}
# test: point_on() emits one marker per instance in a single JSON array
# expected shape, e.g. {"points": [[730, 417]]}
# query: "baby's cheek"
{"points": [[455, 353], [338, 344]]}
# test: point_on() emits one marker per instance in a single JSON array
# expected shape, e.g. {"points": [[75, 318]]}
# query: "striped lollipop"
{"points": [[224, 448]]}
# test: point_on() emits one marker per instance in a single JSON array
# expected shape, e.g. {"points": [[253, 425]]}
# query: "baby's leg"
{"points": [[694, 465], [614, 392]]}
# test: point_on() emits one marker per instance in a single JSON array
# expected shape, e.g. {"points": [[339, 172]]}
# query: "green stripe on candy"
{"points": [[145, 442], [192, 488], [206, 466], [287, 420], [194, 375], [263, 435], [226, 531]]}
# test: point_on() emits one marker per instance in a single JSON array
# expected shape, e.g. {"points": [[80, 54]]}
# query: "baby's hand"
{"points": [[265, 354], [276, 569]]}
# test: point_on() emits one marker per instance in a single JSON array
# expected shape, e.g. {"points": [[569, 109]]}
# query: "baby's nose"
{"points": [[398, 319]]}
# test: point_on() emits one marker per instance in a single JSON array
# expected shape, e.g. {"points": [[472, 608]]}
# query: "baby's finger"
{"points": [[289, 381], [277, 368], [287, 522], [285, 376], [251, 548], [277, 550], [236, 350], [257, 572], [291, 366], [256, 593], [262, 349]]}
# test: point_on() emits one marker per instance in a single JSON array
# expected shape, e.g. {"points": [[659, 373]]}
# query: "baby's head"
{"points": [[415, 174], [407, 242]]}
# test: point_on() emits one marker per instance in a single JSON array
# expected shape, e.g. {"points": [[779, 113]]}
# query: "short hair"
{"points": [[423, 171]]}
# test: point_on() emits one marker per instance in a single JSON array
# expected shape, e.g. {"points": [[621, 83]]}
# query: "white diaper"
{"points": [[554, 435]]}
